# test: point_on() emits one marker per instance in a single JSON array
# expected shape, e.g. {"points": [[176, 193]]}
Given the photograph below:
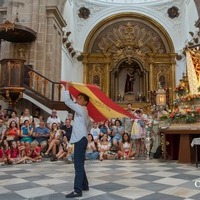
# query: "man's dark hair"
{"points": [[85, 96]]}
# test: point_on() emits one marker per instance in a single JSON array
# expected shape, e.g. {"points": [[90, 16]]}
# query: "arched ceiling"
{"points": [[131, 33]]}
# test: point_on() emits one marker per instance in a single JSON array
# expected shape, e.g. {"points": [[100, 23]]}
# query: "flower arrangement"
{"points": [[182, 114], [188, 114], [181, 89], [187, 98]]}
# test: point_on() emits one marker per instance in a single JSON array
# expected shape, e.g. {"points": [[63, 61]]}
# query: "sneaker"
{"points": [[73, 195]]}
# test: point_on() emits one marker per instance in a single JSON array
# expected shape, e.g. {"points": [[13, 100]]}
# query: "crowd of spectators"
{"points": [[27, 138]]}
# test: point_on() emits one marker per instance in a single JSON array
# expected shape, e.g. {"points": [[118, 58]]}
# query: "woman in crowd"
{"points": [[13, 132], [91, 151], [139, 133], [65, 149], [117, 132], [26, 132], [103, 147], [26, 116], [126, 148], [54, 141], [105, 128], [14, 117]]}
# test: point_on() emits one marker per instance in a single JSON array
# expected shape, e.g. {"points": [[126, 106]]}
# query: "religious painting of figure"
{"points": [[129, 82]]}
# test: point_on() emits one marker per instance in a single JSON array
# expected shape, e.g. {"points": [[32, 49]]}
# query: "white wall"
{"points": [[72, 70], [190, 17], [178, 28]]}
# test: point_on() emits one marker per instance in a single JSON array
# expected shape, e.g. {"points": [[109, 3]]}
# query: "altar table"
{"points": [[187, 132]]}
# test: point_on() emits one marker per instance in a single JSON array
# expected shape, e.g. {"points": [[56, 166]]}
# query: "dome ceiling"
{"points": [[129, 1]]}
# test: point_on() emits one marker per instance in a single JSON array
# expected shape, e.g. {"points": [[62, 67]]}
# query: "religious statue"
{"points": [[129, 82]]}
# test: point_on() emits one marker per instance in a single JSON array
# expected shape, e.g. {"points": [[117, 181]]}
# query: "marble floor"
{"points": [[109, 180]]}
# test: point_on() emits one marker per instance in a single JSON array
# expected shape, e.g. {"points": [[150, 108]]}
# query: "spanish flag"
{"points": [[100, 107]]}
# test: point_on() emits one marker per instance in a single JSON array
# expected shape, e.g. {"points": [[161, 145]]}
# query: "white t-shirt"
{"points": [[52, 120], [95, 132]]}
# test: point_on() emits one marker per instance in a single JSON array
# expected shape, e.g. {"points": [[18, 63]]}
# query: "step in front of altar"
{"points": [[184, 126]]}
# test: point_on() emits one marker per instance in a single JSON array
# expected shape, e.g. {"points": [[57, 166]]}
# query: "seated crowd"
{"points": [[28, 138]]}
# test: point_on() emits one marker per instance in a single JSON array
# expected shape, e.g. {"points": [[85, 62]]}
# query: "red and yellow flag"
{"points": [[100, 106]]}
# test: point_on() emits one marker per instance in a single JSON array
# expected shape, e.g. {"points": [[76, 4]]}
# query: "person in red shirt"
{"points": [[15, 157], [22, 148], [34, 153], [6, 152]]}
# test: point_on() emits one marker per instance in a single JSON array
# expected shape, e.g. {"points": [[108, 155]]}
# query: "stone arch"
{"points": [[116, 24], [130, 38]]}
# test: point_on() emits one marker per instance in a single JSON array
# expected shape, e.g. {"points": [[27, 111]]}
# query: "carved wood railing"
{"points": [[41, 85]]}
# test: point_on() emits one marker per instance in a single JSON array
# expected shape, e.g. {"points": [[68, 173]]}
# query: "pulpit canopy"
{"points": [[16, 33]]}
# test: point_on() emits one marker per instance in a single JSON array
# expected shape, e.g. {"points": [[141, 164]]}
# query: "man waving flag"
{"points": [[100, 107]]}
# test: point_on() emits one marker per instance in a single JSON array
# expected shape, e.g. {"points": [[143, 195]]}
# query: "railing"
{"points": [[41, 85]]}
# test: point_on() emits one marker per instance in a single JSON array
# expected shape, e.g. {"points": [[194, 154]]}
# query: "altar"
{"points": [[187, 132]]}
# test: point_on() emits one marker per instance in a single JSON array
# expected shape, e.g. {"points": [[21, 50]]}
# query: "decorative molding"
{"points": [[129, 41], [6, 26], [84, 12], [52, 11], [173, 12], [176, 23], [94, 9]]}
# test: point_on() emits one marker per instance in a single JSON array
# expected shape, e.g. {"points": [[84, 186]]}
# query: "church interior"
{"points": [[127, 48], [140, 52]]}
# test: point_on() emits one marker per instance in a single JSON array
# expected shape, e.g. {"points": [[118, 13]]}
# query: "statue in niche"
{"points": [[96, 80], [129, 82], [162, 82]]}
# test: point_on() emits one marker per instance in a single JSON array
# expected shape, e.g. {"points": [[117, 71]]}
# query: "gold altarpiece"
{"points": [[99, 65], [129, 42]]}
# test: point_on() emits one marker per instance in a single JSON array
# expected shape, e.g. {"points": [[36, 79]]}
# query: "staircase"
{"points": [[42, 89], [21, 81]]}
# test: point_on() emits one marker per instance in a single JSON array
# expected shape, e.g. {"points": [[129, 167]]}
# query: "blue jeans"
{"points": [[80, 180], [92, 156]]}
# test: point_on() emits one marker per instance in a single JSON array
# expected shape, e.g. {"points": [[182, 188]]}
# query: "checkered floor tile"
{"points": [[110, 179]]}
